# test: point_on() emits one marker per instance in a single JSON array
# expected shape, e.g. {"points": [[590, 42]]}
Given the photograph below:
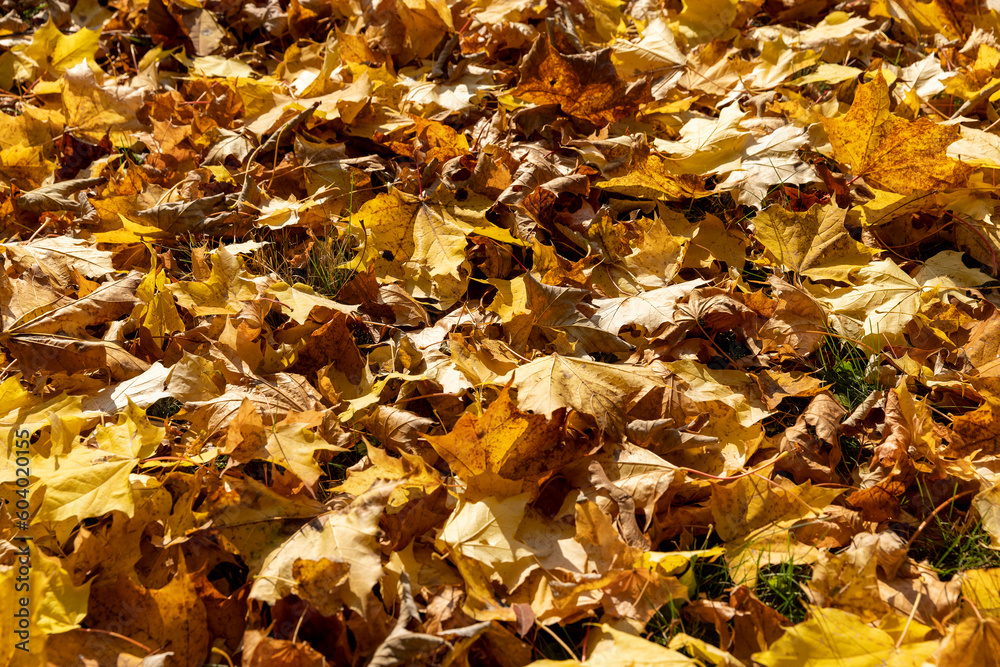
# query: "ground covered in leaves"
{"points": [[494, 333]]}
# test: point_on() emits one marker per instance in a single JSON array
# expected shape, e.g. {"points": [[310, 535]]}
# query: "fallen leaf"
{"points": [[890, 152], [585, 85]]}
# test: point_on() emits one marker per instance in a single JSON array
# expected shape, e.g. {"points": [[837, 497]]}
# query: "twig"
{"points": [[275, 139], [980, 96], [926, 521], [913, 612], [568, 650]]}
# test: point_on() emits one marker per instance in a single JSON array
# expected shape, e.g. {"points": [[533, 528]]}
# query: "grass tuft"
{"points": [[165, 407], [548, 647], [711, 580], [954, 541], [844, 367], [954, 548], [315, 261], [780, 587]]}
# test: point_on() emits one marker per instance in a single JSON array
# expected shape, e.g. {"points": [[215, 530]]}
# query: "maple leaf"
{"points": [[60, 257], [707, 146], [655, 178], [923, 17], [51, 52], [504, 441], [484, 530], [221, 294], [592, 388], [814, 243], [418, 243], [648, 310], [882, 305], [767, 161], [347, 536], [585, 85], [860, 643], [94, 109], [527, 305], [891, 152], [59, 606], [405, 343], [614, 647], [173, 616], [656, 51]]}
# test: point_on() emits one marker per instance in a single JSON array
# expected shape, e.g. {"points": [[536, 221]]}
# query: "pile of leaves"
{"points": [[473, 332]]}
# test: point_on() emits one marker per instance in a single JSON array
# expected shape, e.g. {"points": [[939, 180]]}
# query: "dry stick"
{"points": [[115, 634], [913, 612], [295, 635], [926, 521], [272, 144], [744, 474]]}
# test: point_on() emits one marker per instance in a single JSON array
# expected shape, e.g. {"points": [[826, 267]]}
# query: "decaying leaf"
{"points": [[585, 85]]}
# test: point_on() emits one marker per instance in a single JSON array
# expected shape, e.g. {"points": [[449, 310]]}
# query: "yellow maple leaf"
{"points": [[222, 293], [505, 441], [814, 243], [49, 598], [418, 242], [834, 637], [656, 178], [890, 152]]}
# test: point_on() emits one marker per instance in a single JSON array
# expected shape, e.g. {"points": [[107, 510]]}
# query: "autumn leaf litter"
{"points": [[500, 333]]}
